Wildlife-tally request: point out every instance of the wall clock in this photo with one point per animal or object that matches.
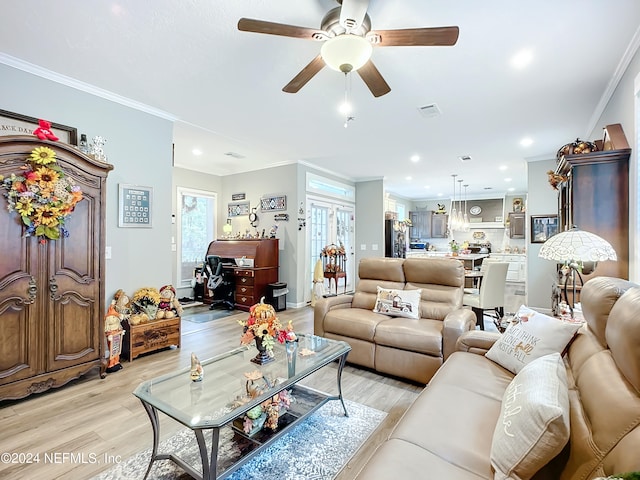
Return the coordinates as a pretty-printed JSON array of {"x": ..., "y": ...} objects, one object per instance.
[{"x": 475, "y": 210}]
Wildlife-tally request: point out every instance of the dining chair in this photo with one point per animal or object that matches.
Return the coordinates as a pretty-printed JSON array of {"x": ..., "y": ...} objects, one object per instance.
[
  {"x": 491, "y": 293},
  {"x": 478, "y": 280}
]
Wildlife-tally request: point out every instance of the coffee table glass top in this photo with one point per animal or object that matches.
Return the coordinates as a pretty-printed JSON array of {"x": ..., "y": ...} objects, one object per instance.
[{"x": 209, "y": 403}]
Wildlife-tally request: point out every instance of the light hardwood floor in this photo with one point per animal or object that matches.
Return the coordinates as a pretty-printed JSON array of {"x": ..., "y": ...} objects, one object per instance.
[{"x": 92, "y": 418}]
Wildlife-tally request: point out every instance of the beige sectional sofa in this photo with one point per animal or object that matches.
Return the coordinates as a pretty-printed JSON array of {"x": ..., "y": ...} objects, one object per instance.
[
  {"x": 448, "y": 432},
  {"x": 404, "y": 347}
]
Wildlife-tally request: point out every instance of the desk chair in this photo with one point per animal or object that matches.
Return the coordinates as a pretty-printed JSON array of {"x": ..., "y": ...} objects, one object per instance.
[
  {"x": 491, "y": 294},
  {"x": 219, "y": 281}
]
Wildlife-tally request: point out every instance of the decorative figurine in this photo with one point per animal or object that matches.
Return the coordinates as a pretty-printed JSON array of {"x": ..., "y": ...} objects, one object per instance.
[
  {"x": 97, "y": 148},
  {"x": 43, "y": 132},
  {"x": 169, "y": 306},
  {"x": 114, "y": 333},
  {"x": 197, "y": 372}
]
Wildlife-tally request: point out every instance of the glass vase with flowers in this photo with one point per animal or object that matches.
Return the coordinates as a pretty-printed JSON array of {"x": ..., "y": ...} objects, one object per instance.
[{"x": 265, "y": 328}]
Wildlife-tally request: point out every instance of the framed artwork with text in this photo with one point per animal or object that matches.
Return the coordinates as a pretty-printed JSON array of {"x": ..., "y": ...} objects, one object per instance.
[
  {"x": 135, "y": 206},
  {"x": 17, "y": 124}
]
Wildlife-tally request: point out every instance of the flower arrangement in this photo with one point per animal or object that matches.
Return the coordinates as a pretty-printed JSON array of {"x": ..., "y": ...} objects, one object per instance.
[
  {"x": 265, "y": 414},
  {"x": 454, "y": 246},
  {"x": 264, "y": 324},
  {"x": 42, "y": 195},
  {"x": 333, "y": 250},
  {"x": 146, "y": 300}
]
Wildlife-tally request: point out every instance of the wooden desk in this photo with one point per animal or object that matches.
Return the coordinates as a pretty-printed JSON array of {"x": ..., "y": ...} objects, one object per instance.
[{"x": 250, "y": 282}]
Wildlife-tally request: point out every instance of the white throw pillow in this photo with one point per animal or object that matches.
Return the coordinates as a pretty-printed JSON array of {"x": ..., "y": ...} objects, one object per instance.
[
  {"x": 398, "y": 303},
  {"x": 533, "y": 426},
  {"x": 532, "y": 337}
]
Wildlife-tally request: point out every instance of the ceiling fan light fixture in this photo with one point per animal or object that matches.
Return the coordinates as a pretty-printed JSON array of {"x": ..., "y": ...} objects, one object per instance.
[{"x": 346, "y": 53}]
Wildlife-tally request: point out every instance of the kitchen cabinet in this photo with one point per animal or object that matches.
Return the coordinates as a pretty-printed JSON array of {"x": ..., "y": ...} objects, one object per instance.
[
  {"x": 595, "y": 197},
  {"x": 517, "y": 224},
  {"x": 421, "y": 224},
  {"x": 439, "y": 225},
  {"x": 517, "y": 265},
  {"x": 52, "y": 298}
]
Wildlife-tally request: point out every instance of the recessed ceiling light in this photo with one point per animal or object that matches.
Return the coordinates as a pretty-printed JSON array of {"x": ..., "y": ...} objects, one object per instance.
[
  {"x": 522, "y": 59},
  {"x": 507, "y": 179},
  {"x": 526, "y": 142},
  {"x": 196, "y": 151},
  {"x": 511, "y": 189},
  {"x": 502, "y": 168},
  {"x": 439, "y": 194},
  {"x": 415, "y": 158},
  {"x": 408, "y": 178},
  {"x": 427, "y": 186}
]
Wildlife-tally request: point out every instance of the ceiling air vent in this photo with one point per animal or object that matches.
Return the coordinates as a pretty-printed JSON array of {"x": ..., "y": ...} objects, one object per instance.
[
  {"x": 465, "y": 158},
  {"x": 430, "y": 111},
  {"x": 234, "y": 155}
]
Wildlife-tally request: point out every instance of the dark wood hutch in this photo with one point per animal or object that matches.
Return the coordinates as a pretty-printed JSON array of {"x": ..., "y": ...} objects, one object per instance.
[
  {"x": 250, "y": 282},
  {"x": 595, "y": 197}
]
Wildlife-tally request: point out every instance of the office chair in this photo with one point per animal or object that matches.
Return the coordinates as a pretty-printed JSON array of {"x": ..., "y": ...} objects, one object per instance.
[
  {"x": 220, "y": 282},
  {"x": 491, "y": 293}
]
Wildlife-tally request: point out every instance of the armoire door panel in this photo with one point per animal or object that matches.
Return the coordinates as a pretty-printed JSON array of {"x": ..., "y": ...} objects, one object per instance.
[
  {"x": 74, "y": 335},
  {"x": 19, "y": 343}
]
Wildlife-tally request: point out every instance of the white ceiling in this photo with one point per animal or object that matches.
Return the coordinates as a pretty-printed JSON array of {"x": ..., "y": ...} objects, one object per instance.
[{"x": 188, "y": 59}]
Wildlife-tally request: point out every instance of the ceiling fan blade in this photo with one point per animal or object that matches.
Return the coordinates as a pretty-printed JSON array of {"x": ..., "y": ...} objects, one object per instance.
[
  {"x": 371, "y": 76},
  {"x": 306, "y": 74},
  {"x": 352, "y": 13},
  {"x": 436, "y": 36},
  {"x": 271, "y": 28}
]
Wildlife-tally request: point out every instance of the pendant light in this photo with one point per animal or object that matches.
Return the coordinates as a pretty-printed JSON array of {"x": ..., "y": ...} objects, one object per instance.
[
  {"x": 454, "y": 212},
  {"x": 460, "y": 220},
  {"x": 465, "y": 218}
]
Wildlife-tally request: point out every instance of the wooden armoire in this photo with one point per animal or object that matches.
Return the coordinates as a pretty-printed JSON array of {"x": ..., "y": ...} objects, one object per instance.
[{"x": 52, "y": 303}]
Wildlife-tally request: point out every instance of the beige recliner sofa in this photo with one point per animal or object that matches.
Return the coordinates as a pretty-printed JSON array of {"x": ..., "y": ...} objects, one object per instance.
[
  {"x": 404, "y": 347},
  {"x": 447, "y": 432}
]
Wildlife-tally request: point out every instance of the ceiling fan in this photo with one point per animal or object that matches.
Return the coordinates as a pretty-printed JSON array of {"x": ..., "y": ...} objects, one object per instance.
[{"x": 349, "y": 41}]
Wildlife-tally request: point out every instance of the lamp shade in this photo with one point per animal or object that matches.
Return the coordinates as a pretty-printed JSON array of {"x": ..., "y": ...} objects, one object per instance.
[
  {"x": 577, "y": 245},
  {"x": 346, "y": 53}
]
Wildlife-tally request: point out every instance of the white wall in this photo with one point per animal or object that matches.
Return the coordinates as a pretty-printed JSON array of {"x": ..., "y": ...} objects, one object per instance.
[
  {"x": 139, "y": 146},
  {"x": 542, "y": 199},
  {"x": 369, "y": 219}
]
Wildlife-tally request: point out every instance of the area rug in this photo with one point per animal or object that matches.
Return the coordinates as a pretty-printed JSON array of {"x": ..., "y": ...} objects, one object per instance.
[
  {"x": 208, "y": 316},
  {"x": 316, "y": 449}
]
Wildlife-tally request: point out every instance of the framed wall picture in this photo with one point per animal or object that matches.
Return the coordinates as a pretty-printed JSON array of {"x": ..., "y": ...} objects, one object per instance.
[
  {"x": 543, "y": 227},
  {"x": 273, "y": 203},
  {"x": 135, "y": 205},
  {"x": 17, "y": 124},
  {"x": 237, "y": 209}
]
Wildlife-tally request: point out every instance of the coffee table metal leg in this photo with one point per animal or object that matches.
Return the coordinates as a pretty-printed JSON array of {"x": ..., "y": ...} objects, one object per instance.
[
  {"x": 209, "y": 465},
  {"x": 341, "y": 362},
  {"x": 155, "y": 425}
]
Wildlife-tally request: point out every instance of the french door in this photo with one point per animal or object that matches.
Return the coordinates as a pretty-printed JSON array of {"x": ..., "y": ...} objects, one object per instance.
[{"x": 329, "y": 223}]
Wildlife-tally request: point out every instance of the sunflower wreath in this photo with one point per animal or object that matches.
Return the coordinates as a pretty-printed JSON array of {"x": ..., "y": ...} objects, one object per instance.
[{"x": 42, "y": 195}]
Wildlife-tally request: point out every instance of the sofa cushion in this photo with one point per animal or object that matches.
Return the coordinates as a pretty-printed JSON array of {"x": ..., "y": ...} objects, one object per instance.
[
  {"x": 533, "y": 426},
  {"x": 534, "y": 336},
  {"x": 417, "y": 335},
  {"x": 353, "y": 322},
  {"x": 398, "y": 303},
  {"x": 454, "y": 416}
]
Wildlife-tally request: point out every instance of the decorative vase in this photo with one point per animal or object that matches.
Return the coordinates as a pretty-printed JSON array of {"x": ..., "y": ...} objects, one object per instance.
[
  {"x": 263, "y": 356},
  {"x": 292, "y": 352}
]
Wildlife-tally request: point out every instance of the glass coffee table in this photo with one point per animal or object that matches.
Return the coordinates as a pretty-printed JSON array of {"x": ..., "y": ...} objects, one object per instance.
[{"x": 212, "y": 404}]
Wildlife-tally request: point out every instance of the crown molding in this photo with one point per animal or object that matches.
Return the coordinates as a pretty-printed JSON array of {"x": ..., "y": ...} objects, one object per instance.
[
  {"x": 619, "y": 72},
  {"x": 82, "y": 86}
]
